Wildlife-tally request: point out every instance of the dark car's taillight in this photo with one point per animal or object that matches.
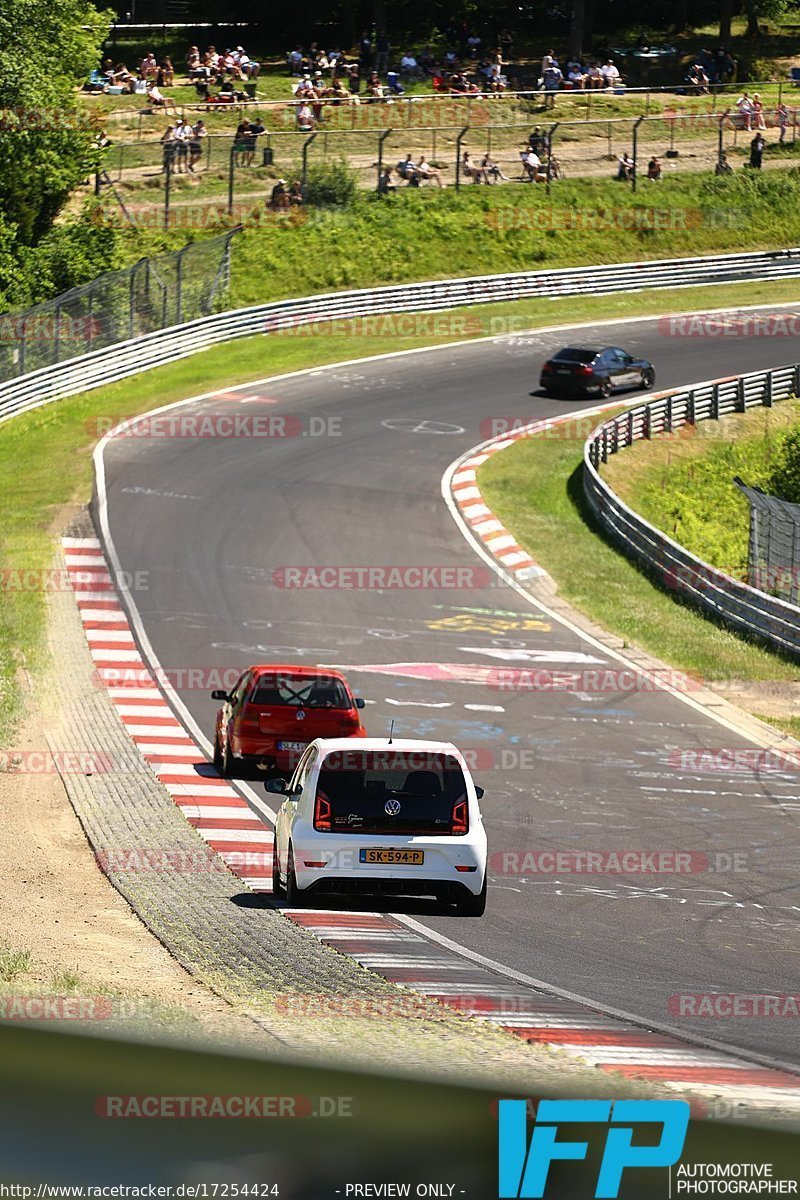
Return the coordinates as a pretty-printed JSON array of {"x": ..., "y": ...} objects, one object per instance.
[
  {"x": 548, "y": 369},
  {"x": 583, "y": 369},
  {"x": 322, "y": 813},
  {"x": 460, "y": 819}
]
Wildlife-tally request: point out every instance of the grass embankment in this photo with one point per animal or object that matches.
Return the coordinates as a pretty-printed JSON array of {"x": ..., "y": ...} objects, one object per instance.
[
  {"x": 422, "y": 234},
  {"x": 45, "y": 456},
  {"x": 685, "y": 485},
  {"x": 534, "y": 487}
]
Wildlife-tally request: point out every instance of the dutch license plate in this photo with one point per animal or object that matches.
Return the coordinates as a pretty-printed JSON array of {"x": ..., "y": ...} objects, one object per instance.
[
  {"x": 393, "y": 858},
  {"x": 292, "y": 745}
]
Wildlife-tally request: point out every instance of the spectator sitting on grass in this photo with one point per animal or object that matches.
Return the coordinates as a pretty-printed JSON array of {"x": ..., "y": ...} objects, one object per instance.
[
  {"x": 654, "y": 170},
  {"x": 385, "y": 184},
  {"x": 305, "y": 119},
  {"x": 698, "y": 80},
  {"x": 406, "y": 169},
  {"x": 295, "y": 193},
  {"x": 723, "y": 167},
  {"x": 468, "y": 168},
  {"x": 166, "y": 72},
  {"x": 626, "y": 166},
  {"x": 155, "y": 98},
  {"x": 374, "y": 89},
  {"x": 279, "y": 200},
  {"x": 148, "y": 67},
  {"x": 194, "y": 69},
  {"x": 409, "y": 66}
]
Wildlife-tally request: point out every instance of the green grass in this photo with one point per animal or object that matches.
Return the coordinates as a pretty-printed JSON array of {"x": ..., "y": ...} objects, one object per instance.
[
  {"x": 534, "y": 487},
  {"x": 13, "y": 963},
  {"x": 45, "y": 456},
  {"x": 685, "y": 485}
]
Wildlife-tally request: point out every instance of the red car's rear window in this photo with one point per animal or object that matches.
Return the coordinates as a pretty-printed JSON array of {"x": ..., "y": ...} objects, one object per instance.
[{"x": 287, "y": 691}]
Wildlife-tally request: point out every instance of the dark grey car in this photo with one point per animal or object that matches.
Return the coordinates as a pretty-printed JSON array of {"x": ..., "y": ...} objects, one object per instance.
[{"x": 577, "y": 370}]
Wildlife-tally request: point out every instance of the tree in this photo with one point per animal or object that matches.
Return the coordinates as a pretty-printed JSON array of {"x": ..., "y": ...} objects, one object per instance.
[{"x": 46, "y": 51}]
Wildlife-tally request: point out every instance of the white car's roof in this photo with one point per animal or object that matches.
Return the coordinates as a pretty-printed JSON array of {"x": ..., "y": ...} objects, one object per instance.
[{"x": 400, "y": 745}]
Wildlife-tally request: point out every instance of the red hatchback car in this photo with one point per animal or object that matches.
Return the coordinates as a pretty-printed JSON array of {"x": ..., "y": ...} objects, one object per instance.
[{"x": 274, "y": 711}]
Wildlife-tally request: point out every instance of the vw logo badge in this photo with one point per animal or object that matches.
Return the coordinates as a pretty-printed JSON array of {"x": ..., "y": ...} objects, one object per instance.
[
  {"x": 300, "y": 715},
  {"x": 392, "y": 807}
]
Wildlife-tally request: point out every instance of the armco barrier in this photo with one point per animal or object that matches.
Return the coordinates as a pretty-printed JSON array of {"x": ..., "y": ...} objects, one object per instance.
[
  {"x": 166, "y": 345},
  {"x": 728, "y": 600}
]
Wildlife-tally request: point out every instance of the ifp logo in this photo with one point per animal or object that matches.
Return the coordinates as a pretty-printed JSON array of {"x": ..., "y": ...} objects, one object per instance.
[{"x": 524, "y": 1170}]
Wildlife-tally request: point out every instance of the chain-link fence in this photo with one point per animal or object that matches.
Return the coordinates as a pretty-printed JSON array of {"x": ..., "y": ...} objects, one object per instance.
[
  {"x": 154, "y": 293},
  {"x": 230, "y": 181},
  {"x": 773, "y": 564}
]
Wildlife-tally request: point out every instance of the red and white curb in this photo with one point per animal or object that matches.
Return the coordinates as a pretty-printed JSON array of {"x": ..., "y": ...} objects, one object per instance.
[
  {"x": 380, "y": 942},
  {"x": 220, "y": 816},
  {"x": 482, "y": 521}
]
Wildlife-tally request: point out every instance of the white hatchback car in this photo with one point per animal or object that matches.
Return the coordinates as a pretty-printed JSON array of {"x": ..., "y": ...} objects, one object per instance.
[{"x": 366, "y": 815}]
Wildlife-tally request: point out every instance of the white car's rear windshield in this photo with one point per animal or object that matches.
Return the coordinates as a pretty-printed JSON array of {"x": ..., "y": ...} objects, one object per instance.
[{"x": 382, "y": 791}]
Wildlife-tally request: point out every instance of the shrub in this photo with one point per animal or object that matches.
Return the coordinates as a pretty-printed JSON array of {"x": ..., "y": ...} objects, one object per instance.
[{"x": 330, "y": 184}]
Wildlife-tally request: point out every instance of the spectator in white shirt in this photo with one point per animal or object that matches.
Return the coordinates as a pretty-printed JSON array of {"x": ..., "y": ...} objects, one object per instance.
[
  {"x": 409, "y": 67},
  {"x": 610, "y": 73}
]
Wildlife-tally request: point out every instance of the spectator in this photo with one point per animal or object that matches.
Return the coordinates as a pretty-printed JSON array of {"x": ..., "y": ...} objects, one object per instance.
[
  {"x": 155, "y": 98},
  {"x": 374, "y": 88},
  {"x": 654, "y": 170},
  {"x": 279, "y": 199},
  {"x": 744, "y": 107},
  {"x": 296, "y": 61},
  {"x": 406, "y": 170},
  {"x": 354, "y": 79},
  {"x": 468, "y": 168},
  {"x": 257, "y": 127},
  {"x": 305, "y": 119},
  {"x": 181, "y": 134},
  {"x": 506, "y": 44},
  {"x": 473, "y": 44},
  {"x": 409, "y": 66},
  {"x": 697, "y": 80},
  {"x": 385, "y": 184},
  {"x": 723, "y": 167},
  {"x": 611, "y": 75},
  {"x": 382, "y": 53},
  {"x": 148, "y": 67},
  {"x": 167, "y": 72},
  {"x": 168, "y": 149},
  {"x": 426, "y": 171},
  {"x": 199, "y": 132},
  {"x": 427, "y": 62},
  {"x": 626, "y": 167},
  {"x": 193, "y": 66},
  {"x": 782, "y": 115},
  {"x": 594, "y": 77},
  {"x": 551, "y": 80},
  {"x": 549, "y": 60},
  {"x": 295, "y": 193},
  {"x": 241, "y": 143},
  {"x": 576, "y": 75},
  {"x": 365, "y": 51},
  {"x": 491, "y": 170},
  {"x": 758, "y": 112},
  {"x": 757, "y": 151},
  {"x": 537, "y": 141},
  {"x": 532, "y": 167}
]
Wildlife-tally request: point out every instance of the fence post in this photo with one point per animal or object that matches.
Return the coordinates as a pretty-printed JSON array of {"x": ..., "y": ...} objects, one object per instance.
[
  {"x": 635, "y": 136},
  {"x": 668, "y": 416},
  {"x": 381, "y": 139},
  {"x": 231, "y": 158},
  {"x": 741, "y": 399},
  {"x": 715, "y": 402},
  {"x": 459, "y": 140},
  {"x": 768, "y": 391},
  {"x": 630, "y": 427},
  {"x": 550, "y": 133},
  {"x": 57, "y": 339},
  {"x": 648, "y": 421},
  {"x": 721, "y": 136},
  {"x": 306, "y": 144},
  {"x": 691, "y": 418},
  {"x": 605, "y": 445},
  {"x": 167, "y": 184},
  {"x": 132, "y": 301}
]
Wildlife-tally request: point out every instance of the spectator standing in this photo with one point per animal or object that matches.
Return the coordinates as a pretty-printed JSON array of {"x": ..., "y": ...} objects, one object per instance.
[
  {"x": 382, "y": 48},
  {"x": 744, "y": 107},
  {"x": 181, "y": 134},
  {"x": 365, "y": 51},
  {"x": 168, "y": 145},
  {"x": 782, "y": 115},
  {"x": 758, "y": 112},
  {"x": 199, "y": 132},
  {"x": 757, "y": 151},
  {"x": 552, "y": 80}
]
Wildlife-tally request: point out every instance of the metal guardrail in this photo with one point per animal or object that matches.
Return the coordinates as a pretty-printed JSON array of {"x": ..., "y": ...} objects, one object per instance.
[
  {"x": 728, "y": 600},
  {"x": 166, "y": 345}
]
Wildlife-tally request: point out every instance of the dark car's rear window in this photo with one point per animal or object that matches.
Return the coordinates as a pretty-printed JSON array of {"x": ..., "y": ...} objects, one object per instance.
[
  {"x": 300, "y": 692},
  {"x": 575, "y": 354},
  {"x": 419, "y": 789}
]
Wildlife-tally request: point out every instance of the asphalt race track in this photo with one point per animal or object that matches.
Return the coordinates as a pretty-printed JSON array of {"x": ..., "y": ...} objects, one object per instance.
[{"x": 212, "y": 520}]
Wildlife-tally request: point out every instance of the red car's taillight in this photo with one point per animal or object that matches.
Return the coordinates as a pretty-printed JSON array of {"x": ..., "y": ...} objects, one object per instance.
[
  {"x": 350, "y": 723},
  {"x": 322, "y": 813},
  {"x": 460, "y": 818}
]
